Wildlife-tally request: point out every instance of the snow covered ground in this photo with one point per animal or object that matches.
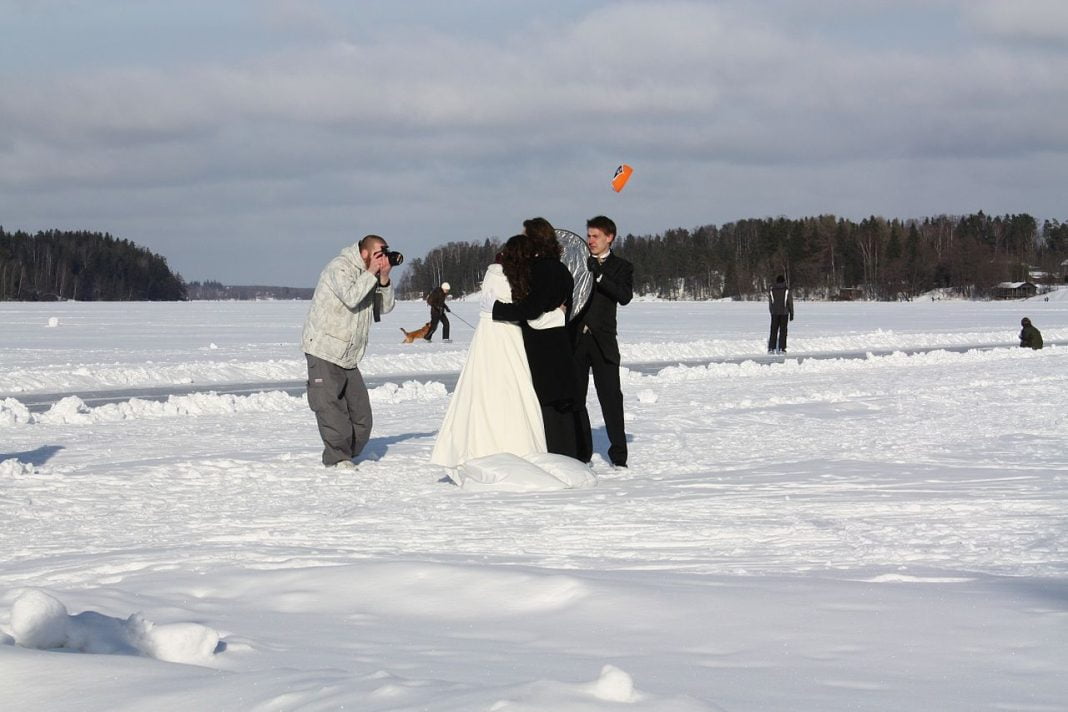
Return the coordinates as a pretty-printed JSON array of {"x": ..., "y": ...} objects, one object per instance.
[{"x": 884, "y": 533}]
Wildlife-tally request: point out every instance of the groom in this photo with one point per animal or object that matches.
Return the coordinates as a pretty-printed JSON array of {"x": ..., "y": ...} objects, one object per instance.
[
  {"x": 596, "y": 346},
  {"x": 552, "y": 366}
]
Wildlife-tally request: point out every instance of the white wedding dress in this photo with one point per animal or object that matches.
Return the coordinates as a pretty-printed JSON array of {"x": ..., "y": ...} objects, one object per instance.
[{"x": 494, "y": 408}]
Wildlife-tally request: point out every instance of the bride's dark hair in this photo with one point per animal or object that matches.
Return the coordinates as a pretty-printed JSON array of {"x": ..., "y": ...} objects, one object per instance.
[
  {"x": 515, "y": 258},
  {"x": 542, "y": 233}
]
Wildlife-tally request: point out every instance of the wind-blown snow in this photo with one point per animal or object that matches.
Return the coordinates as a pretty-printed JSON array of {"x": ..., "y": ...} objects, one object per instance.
[
  {"x": 40, "y": 621},
  {"x": 875, "y": 533}
]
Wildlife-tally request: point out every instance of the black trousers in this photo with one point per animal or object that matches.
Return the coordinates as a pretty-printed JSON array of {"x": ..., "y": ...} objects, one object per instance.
[
  {"x": 437, "y": 315},
  {"x": 561, "y": 429},
  {"x": 589, "y": 357},
  {"x": 777, "y": 340}
]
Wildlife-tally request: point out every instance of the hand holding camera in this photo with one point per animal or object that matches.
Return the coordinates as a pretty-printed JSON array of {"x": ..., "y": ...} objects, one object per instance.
[{"x": 383, "y": 261}]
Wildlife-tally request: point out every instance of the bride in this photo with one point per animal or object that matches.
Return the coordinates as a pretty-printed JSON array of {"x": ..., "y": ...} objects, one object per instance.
[{"x": 494, "y": 408}]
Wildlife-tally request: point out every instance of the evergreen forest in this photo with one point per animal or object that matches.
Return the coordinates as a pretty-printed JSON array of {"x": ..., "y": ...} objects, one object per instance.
[
  {"x": 823, "y": 257},
  {"x": 87, "y": 266}
]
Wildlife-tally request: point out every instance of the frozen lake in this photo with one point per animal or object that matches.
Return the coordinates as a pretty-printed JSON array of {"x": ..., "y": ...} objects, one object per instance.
[{"x": 880, "y": 533}]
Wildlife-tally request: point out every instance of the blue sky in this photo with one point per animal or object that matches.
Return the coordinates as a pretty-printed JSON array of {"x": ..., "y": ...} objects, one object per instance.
[{"x": 248, "y": 142}]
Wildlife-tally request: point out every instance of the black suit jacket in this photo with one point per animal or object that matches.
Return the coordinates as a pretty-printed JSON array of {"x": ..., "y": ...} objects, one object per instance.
[
  {"x": 614, "y": 288},
  {"x": 549, "y": 352}
]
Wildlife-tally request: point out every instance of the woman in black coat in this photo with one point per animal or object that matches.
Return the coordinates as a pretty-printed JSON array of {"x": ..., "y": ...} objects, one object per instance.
[{"x": 552, "y": 365}]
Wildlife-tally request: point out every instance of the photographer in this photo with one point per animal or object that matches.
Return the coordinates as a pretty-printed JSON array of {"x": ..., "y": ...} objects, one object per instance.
[{"x": 353, "y": 289}]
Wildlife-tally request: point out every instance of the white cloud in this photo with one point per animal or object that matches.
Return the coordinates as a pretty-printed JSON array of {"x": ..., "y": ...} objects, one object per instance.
[
  {"x": 392, "y": 130},
  {"x": 1045, "y": 20}
]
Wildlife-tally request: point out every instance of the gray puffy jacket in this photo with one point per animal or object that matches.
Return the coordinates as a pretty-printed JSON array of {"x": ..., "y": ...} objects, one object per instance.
[{"x": 339, "y": 320}]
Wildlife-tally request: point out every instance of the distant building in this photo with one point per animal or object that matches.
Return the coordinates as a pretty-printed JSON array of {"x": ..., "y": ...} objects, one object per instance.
[{"x": 1015, "y": 290}]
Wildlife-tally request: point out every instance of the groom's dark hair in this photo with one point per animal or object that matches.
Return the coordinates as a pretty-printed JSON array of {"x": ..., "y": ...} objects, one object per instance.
[{"x": 602, "y": 223}]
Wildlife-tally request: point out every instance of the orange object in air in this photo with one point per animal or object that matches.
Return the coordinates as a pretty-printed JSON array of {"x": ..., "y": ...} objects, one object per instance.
[{"x": 621, "y": 177}]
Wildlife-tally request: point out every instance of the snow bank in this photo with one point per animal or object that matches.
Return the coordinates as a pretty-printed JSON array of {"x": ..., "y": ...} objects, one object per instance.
[
  {"x": 41, "y": 621},
  {"x": 13, "y": 468},
  {"x": 68, "y": 377},
  {"x": 898, "y": 359},
  {"x": 13, "y": 412},
  {"x": 878, "y": 340},
  {"x": 72, "y": 410}
]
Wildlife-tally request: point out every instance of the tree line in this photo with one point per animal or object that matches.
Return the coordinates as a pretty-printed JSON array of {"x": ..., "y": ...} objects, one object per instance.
[
  {"x": 212, "y": 290},
  {"x": 87, "y": 266},
  {"x": 461, "y": 264},
  {"x": 823, "y": 257}
]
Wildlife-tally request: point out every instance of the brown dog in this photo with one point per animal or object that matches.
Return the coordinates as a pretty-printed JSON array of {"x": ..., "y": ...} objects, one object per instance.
[{"x": 420, "y": 333}]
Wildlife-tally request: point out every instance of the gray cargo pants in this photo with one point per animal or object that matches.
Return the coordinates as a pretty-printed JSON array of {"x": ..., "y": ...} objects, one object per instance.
[{"x": 338, "y": 397}]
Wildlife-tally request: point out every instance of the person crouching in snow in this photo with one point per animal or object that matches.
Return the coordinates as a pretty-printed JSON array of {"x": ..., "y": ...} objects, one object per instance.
[{"x": 1030, "y": 337}]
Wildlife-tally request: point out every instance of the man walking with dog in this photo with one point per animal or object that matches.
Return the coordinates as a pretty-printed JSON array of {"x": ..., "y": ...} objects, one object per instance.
[
  {"x": 353, "y": 290},
  {"x": 596, "y": 347},
  {"x": 438, "y": 309}
]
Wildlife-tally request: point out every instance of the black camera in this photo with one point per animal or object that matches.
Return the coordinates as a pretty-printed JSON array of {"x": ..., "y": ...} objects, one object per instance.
[{"x": 395, "y": 258}]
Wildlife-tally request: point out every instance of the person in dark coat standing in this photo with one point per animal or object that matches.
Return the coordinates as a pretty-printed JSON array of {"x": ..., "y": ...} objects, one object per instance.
[
  {"x": 781, "y": 305},
  {"x": 1030, "y": 337},
  {"x": 438, "y": 308},
  {"x": 596, "y": 347},
  {"x": 552, "y": 367}
]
